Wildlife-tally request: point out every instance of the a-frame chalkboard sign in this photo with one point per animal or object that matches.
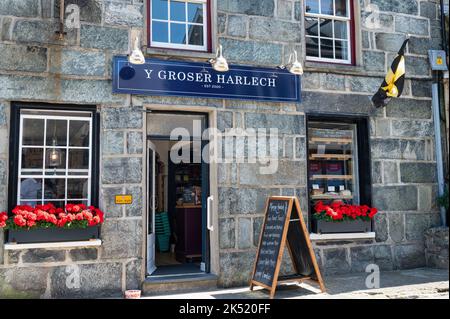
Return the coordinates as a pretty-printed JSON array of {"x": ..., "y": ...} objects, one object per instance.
[{"x": 284, "y": 226}]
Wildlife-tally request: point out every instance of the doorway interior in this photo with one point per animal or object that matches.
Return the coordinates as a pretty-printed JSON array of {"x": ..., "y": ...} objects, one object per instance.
[{"x": 178, "y": 190}]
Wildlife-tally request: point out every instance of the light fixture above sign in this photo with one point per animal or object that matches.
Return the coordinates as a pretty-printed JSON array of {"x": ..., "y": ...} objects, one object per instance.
[
  {"x": 219, "y": 64},
  {"x": 294, "y": 66},
  {"x": 136, "y": 56}
]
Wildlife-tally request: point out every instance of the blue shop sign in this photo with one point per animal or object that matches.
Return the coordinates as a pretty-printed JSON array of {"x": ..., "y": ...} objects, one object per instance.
[{"x": 179, "y": 78}]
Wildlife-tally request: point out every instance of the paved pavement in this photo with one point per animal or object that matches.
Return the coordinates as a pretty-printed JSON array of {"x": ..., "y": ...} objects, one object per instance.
[{"x": 423, "y": 283}]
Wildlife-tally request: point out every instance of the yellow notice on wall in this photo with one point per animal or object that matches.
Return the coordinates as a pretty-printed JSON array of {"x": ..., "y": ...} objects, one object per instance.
[{"x": 124, "y": 199}]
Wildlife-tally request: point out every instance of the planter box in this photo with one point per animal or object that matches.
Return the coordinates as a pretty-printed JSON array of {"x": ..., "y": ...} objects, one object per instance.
[
  {"x": 354, "y": 226},
  {"x": 52, "y": 235}
]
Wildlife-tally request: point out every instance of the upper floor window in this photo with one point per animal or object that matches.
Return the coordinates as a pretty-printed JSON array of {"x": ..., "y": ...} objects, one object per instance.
[
  {"x": 180, "y": 24},
  {"x": 328, "y": 30}
]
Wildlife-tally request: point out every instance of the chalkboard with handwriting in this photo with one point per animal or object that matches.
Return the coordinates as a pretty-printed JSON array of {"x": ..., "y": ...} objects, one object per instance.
[{"x": 284, "y": 227}]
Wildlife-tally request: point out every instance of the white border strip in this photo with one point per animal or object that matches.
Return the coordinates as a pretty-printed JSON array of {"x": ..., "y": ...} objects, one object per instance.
[
  {"x": 341, "y": 236},
  {"x": 68, "y": 244}
]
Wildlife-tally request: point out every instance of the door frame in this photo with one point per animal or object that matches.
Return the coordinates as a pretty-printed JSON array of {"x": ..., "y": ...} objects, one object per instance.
[
  {"x": 150, "y": 208},
  {"x": 206, "y": 184}
]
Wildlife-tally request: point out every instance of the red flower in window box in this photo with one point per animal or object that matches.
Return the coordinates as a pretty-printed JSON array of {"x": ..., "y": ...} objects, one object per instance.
[
  {"x": 48, "y": 216},
  {"x": 338, "y": 211}
]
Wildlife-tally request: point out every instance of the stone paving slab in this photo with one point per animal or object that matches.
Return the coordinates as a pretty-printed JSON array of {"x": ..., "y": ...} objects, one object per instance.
[{"x": 422, "y": 283}]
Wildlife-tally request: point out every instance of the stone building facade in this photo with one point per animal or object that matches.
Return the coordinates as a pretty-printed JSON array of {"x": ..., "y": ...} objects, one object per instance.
[{"x": 36, "y": 67}]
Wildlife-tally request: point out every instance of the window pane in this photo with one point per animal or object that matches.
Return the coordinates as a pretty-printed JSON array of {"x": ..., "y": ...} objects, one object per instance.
[
  {"x": 56, "y": 203},
  {"x": 160, "y": 31},
  {"x": 332, "y": 155},
  {"x": 341, "y": 50},
  {"x": 178, "y": 33},
  {"x": 195, "y": 34},
  {"x": 340, "y": 30},
  {"x": 312, "y": 47},
  {"x": 177, "y": 11},
  {"x": 79, "y": 133},
  {"x": 54, "y": 188},
  {"x": 312, "y": 6},
  {"x": 55, "y": 161},
  {"x": 85, "y": 202},
  {"x": 78, "y": 159},
  {"x": 311, "y": 26},
  {"x": 195, "y": 12},
  {"x": 326, "y": 48},
  {"x": 77, "y": 188},
  {"x": 326, "y": 28},
  {"x": 341, "y": 8},
  {"x": 56, "y": 133},
  {"x": 31, "y": 188},
  {"x": 31, "y": 203},
  {"x": 160, "y": 9},
  {"x": 33, "y": 132},
  {"x": 32, "y": 158},
  {"x": 326, "y": 7}
]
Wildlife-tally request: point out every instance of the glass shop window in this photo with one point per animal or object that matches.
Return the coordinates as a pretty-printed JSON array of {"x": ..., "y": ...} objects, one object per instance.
[
  {"x": 55, "y": 152},
  {"x": 179, "y": 24},
  {"x": 333, "y": 162},
  {"x": 329, "y": 30}
]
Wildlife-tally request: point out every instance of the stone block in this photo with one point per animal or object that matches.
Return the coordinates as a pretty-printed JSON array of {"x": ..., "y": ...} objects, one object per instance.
[
  {"x": 331, "y": 81},
  {"x": 41, "y": 31},
  {"x": 235, "y": 268},
  {"x": 134, "y": 274},
  {"x": 395, "y": 198},
  {"x": 245, "y": 235},
  {"x": 75, "y": 62},
  {"x": 221, "y": 23},
  {"x": 361, "y": 257},
  {"x": 412, "y": 128},
  {"x": 396, "y": 227},
  {"x": 390, "y": 172},
  {"x": 135, "y": 143},
  {"x": 286, "y": 124},
  {"x": 250, "y": 174},
  {"x": 426, "y": 198},
  {"x": 113, "y": 142},
  {"x": 89, "y": 91},
  {"x": 376, "y": 172},
  {"x": 23, "y": 282},
  {"x": 43, "y": 256},
  {"x": 418, "y": 172},
  {"x": 419, "y": 66},
  {"x": 409, "y": 256},
  {"x": 249, "y": 7},
  {"x": 87, "y": 281},
  {"x": 224, "y": 121},
  {"x": 380, "y": 224},
  {"x": 398, "y": 6},
  {"x": 19, "y": 8},
  {"x": 364, "y": 84},
  {"x": 243, "y": 200},
  {"x": 105, "y": 38},
  {"x": 135, "y": 209},
  {"x": 374, "y": 61},
  {"x": 124, "y": 14},
  {"x": 262, "y": 53},
  {"x": 389, "y": 41},
  {"x": 227, "y": 233},
  {"x": 428, "y": 10},
  {"x": 421, "y": 46},
  {"x": 311, "y": 80},
  {"x": 237, "y": 26},
  {"x": 122, "y": 238},
  {"x": 270, "y": 29},
  {"x": 3, "y": 172},
  {"x": 335, "y": 261},
  {"x": 298, "y": 9},
  {"x": 257, "y": 228},
  {"x": 122, "y": 170},
  {"x": 284, "y": 9},
  {"x": 416, "y": 225},
  {"x": 83, "y": 254},
  {"x": 23, "y": 58},
  {"x": 110, "y": 208},
  {"x": 421, "y": 88},
  {"x": 122, "y": 117},
  {"x": 383, "y": 257},
  {"x": 3, "y": 115}
]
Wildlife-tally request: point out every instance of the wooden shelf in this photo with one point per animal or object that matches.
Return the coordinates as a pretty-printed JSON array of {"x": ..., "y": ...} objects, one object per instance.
[
  {"x": 330, "y": 156},
  {"x": 330, "y": 140},
  {"x": 189, "y": 206},
  {"x": 324, "y": 196},
  {"x": 346, "y": 177}
]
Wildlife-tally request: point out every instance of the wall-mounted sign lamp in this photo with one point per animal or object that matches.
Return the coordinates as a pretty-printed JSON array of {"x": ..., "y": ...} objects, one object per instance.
[
  {"x": 219, "y": 64},
  {"x": 136, "y": 56},
  {"x": 294, "y": 66}
]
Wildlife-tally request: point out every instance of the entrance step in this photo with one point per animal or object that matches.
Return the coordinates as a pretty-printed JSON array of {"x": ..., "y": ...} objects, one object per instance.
[{"x": 170, "y": 284}]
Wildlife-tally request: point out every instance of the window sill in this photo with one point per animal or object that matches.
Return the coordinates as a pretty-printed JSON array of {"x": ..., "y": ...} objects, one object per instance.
[
  {"x": 168, "y": 53},
  {"x": 341, "y": 236},
  {"x": 68, "y": 244}
]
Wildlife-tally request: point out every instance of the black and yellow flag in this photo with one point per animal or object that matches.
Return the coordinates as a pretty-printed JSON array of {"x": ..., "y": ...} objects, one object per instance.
[{"x": 394, "y": 81}]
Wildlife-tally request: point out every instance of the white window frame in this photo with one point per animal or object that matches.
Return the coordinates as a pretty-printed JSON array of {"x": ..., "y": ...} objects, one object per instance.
[
  {"x": 168, "y": 45},
  {"x": 83, "y": 116},
  {"x": 346, "y": 19}
]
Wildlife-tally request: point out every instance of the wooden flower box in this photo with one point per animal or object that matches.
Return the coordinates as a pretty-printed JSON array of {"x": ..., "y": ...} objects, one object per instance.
[
  {"x": 45, "y": 235},
  {"x": 347, "y": 226}
]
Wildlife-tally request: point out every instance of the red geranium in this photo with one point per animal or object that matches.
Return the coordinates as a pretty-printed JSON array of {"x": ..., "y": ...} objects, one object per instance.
[{"x": 338, "y": 211}]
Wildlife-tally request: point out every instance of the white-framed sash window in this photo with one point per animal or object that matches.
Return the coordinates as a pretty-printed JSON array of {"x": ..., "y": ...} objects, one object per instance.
[
  {"x": 328, "y": 31},
  {"x": 55, "y": 158},
  {"x": 179, "y": 24}
]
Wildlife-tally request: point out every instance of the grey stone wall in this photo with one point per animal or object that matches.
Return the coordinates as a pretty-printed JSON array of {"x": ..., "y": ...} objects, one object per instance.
[
  {"x": 436, "y": 247},
  {"x": 35, "y": 66}
]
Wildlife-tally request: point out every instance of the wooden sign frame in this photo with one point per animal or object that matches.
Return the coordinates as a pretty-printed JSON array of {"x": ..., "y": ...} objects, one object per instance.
[{"x": 317, "y": 277}]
